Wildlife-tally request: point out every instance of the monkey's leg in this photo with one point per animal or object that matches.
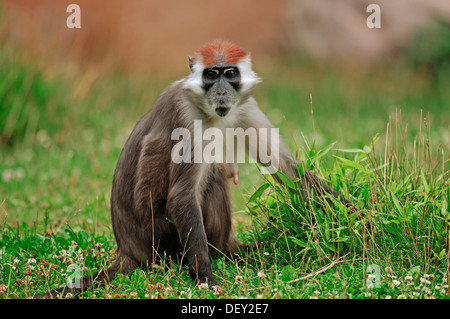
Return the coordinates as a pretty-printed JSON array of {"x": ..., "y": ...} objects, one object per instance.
[
  {"x": 121, "y": 265},
  {"x": 235, "y": 249},
  {"x": 185, "y": 212}
]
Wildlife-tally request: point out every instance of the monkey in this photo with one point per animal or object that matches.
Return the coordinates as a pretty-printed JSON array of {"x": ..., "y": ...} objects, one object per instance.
[{"x": 182, "y": 210}]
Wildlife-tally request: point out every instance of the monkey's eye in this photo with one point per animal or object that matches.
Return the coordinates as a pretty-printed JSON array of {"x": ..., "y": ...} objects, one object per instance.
[
  {"x": 212, "y": 73},
  {"x": 230, "y": 73}
]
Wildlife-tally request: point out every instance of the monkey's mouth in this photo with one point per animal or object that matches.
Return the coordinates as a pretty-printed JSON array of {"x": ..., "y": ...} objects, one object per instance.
[{"x": 222, "y": 111}]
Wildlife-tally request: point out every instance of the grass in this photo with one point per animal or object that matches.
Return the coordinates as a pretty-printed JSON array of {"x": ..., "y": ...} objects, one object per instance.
[
  {"x": 400, "y": 232},
  {"x": 388, "y": 151}
]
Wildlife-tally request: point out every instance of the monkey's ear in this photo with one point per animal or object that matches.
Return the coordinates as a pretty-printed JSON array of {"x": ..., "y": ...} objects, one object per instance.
[{"x": 191, "y": 63}]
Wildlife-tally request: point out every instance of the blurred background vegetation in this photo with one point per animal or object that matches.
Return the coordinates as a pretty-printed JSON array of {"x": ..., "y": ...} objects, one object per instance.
[{"x": 69, "y": 98}]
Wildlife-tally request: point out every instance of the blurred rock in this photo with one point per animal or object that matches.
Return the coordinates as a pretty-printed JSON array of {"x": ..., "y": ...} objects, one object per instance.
[{"x": 337, "y": 30}]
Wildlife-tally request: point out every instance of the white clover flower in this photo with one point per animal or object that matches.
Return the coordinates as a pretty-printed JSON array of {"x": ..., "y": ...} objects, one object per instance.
[
  {"x": 388, "y": 270},
  {"x": 20, "y": 173},
  {"x": 367, "y": 294},
  {"x": 315, "y": 295},
  {"x": 203, "y": 286},
  {"x": 16, "y": 261},
  {"x": 31, "y": 261},
  {"x": 217, "y": 291},
  {"x": 7, "y": 176},
  {"x": 133, "y": 294},
  {"x": 388, "y": 297},
  {"x": 401, "y": 297},
  {"x": 408, "y": 278},
  {"x": 261, "y": 274},
  {"x": 239, "y": 279},
  {"x": 370, "y": 286},
  {"x": 396, "y": 283}
]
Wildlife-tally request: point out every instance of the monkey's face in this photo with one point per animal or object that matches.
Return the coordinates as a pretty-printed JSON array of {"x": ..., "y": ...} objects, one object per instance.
[
  {"x": 222, "y": 78},
  {"x": 221, "y": 85}
]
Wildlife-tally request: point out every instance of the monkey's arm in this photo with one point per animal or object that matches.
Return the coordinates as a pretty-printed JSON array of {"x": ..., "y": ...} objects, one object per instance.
[{"x": 281, "y": 157}]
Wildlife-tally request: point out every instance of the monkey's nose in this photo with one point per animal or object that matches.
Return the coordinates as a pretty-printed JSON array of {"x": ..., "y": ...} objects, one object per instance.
[{"x": 222, "y": 92}]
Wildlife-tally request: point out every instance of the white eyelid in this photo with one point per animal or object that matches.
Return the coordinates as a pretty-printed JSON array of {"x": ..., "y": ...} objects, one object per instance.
[{"x": 229, "y": 69}]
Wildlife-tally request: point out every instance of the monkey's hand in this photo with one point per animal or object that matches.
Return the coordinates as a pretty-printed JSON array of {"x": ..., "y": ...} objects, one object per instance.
[{"x": 207, "y": 282}]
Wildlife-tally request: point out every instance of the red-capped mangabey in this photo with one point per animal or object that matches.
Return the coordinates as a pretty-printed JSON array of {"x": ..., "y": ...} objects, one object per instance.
[{"x": 181, "y": 209}]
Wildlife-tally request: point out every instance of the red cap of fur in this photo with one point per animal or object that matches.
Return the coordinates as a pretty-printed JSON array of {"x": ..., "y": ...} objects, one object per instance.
[{"x": 227, "y": 52}]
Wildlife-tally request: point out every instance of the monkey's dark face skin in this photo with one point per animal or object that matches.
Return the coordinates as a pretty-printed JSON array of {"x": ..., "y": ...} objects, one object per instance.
[{"x": 221, "y": 85}]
